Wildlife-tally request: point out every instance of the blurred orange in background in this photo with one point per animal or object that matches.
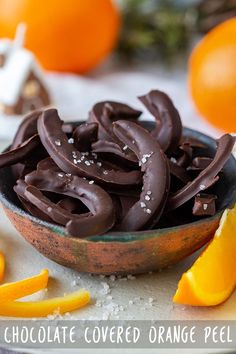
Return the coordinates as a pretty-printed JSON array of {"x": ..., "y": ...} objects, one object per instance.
[
  {"x": 65, "y": 35},
  {"x": 212, "y": 76}
]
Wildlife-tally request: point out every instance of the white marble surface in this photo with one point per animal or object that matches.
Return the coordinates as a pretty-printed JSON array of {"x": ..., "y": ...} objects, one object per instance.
[{"x": 152, "y": 293}]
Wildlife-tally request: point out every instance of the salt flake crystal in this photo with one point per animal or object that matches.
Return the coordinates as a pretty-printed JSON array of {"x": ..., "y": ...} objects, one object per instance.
[
  {"x": 148, "y": 211},
  {"x": 71, "y": 141},
  {"x": 125, "y": 147},
  {"x": 143, "y": 205},
  {"x": 147, "y": 197},
  {"x": 58, "y": 142},
  {"x": 205, "y": 206},
  {"x": 99, "y": 164},
  {"x": 202, "y": 187},
  {"x": 87, "y": 163},
  {"x": 60, "y": 174},
  {"x": 105, "y": 172},
  {"x": 91, "y": 182},
  {"x": 143, "y": 160},
  {"x": 149, "y": 192}
]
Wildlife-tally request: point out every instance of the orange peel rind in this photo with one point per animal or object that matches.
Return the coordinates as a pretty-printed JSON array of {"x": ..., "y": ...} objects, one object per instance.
[
  {"x": 60, "y": 305},
  {"x": 212, "y": 278}
]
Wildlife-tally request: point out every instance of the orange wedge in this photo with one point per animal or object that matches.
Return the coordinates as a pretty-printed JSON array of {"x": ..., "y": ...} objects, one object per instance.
[{"x": 212, "y": 278}]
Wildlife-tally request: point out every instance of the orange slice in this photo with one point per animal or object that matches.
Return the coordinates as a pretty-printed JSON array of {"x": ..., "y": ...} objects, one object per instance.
[{"x": 212, "y": 278}]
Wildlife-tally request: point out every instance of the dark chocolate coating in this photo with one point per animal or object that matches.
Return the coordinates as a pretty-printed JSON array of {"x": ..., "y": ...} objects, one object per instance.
[
  {"x": 207, "y": 177},
  {"x": 156, "y": 180},
  {"x": 71, "y": 160},
  {"x": 185, "y": 158},
  {"x": 168, "y": 130},
  {"x": 27, "y": 129},
  {"x": 19, "y": 188},
  {"x": 20, "y": 153},
  {"x": 199, "y": 163},
  {"x": 99, "y": 203},
  {"x": 179, "y": 172},
  {"x": 84, "y": 135},
  {"x": 104, "y": 114}
]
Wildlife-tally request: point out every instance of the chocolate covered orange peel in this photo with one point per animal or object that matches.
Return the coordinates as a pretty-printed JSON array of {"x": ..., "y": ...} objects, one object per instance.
[{"x": 212, "y": 278}]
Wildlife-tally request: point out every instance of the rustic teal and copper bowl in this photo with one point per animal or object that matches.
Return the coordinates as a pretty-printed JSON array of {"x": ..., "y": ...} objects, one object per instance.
[{"x": 122, "y": 252}]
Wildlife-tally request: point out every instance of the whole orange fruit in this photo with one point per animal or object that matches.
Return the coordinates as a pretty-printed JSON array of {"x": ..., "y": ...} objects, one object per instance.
[
  {"x": 65, "y": 35},
  {"x": 212, "y": 76}
]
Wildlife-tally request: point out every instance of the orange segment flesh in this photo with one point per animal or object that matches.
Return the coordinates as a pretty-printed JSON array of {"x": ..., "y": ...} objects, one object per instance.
[
  {"x": 44, "y": 308},
  {"x": 212, "y": 278},
  {"x": 2, "y": 266},
  {"x": 16, "y": 290}
]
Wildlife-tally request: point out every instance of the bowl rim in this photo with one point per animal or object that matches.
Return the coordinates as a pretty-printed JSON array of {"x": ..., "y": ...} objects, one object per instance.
[{"x": 115, "y": 236}]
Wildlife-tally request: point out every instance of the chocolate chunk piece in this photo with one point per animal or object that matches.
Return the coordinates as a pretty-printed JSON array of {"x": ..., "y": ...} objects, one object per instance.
[
  {"x": 207, "y": 177},
  {"x": 204, "y": 204},
  {"x": 168, "y": 130},
  {"x": 156, "y": 180}
]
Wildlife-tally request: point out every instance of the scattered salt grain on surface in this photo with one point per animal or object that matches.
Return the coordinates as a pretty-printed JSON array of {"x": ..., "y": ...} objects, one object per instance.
[
  {"x": 58, "y": 142},
  {"x": 91, "y": 182},
  {"x": 106, "y": 288},
  {"x": 112, "y": 278},
  {"x": 71, "y": 141}
]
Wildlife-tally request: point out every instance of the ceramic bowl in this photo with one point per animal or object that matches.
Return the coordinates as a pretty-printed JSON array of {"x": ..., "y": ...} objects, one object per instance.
[{"x": 121, "y": 252}]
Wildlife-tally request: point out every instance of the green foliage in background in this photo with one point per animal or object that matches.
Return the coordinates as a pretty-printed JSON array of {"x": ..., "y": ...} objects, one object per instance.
[{"x": 154, "y": 29}]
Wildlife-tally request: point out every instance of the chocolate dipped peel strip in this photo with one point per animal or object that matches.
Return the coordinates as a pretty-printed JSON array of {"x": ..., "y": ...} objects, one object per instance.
[
  {"x": 168, "y": 130},
  {"x": 147, "y": 211},
  {"x": 84, "y": 135},
  {"x": 101, "y": 217},
  {"x": 104, "y": 113},
  {"x": 207, "y": 177},
  {"x": 179, "y": 172},
  {"x": 18, "y": 154},
  {"x": 19, "y": 188},
  {"x": 71, "y": 160},
  {"x": 27, "y": 129}
]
